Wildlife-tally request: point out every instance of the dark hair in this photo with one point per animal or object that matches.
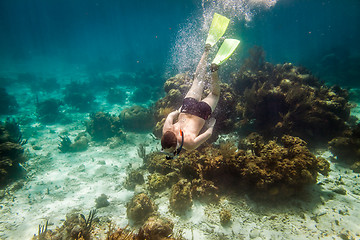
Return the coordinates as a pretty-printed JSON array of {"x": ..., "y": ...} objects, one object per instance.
[{"x": 168, "y": 140}]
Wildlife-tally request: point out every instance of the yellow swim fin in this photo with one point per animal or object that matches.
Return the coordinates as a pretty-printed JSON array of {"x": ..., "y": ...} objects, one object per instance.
[
  {"x": 225, "y": 51},
  {"x": 218, "y": 27}
]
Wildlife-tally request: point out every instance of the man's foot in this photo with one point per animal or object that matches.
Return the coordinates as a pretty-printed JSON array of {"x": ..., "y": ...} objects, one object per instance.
[{"x": 214, "y": 67}]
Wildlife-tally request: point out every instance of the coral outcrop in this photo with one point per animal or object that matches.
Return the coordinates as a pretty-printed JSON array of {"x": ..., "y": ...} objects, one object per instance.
[
  {"x": 81, "y": 143},
  {"x": 103, "y": 126},
  {"x": 180, "y": 197},
  {"x": 156, "y": 229},
  {"x": 270, "y": 169},
  {"x": 347, "y": 147},
  {"x": 136, "y": 118},
  {"x": 285, "y": 99},
  {"x": 157, "y": 182},
  {"x": 140, "y": 208},
  {"x": 11, "y": 151}
]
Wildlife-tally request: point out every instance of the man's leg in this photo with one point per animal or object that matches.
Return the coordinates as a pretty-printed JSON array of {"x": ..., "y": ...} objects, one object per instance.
[
  {"x": 197, "y": 86},
  {"x": 213, "y": 97}
]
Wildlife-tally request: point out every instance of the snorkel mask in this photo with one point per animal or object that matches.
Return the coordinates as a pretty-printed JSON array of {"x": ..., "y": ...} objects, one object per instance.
[{"x": 175, "y": 154}]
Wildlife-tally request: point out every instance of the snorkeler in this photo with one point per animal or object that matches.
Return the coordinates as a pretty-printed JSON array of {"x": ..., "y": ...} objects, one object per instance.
[{"x": 194, "y": 112}]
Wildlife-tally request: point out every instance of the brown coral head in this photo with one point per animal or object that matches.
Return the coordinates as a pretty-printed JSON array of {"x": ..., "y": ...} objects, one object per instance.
[{"x": 168, "y": 140}]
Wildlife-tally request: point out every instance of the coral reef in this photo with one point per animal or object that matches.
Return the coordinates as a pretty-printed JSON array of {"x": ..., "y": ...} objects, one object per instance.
[
  {"x": 285, "y": 99},
  {"x": 102, "y": 126},
  {"x": 347, "y": 146},
  {"x": 79, "y": 96},
  {"x": 156, "y": 229},
  {"x": 48, "y": 111},
  {"x": 8, "y": 104},
  {"x": 81, "y": 143},
  {"x": 140, "y": 208},
  {"x": 11, "y": 151},
  {"x": 136, "y": 118}
]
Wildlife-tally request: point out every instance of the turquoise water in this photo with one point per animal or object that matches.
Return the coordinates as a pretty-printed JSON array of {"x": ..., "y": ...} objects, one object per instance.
[{"x": 61, "y": 62}]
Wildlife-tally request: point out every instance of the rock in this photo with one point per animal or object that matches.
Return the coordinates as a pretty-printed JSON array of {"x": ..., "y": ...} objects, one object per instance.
[
  {"x": 102, "y": 201},
  {"x": 254, "y": 233},
  {"x": 339, "y": 190}
]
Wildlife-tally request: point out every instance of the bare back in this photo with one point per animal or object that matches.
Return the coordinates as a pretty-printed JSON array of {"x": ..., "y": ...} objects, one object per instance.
[{"x": 191, "y": 126}]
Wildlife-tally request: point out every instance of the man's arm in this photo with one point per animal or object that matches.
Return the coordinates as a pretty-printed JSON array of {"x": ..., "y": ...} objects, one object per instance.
[
  {"x": 170, "y": 120},
  {"x": 206, "y": 135}
]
